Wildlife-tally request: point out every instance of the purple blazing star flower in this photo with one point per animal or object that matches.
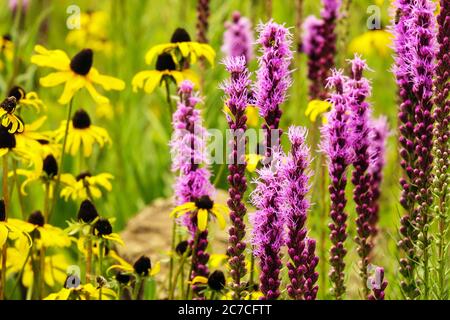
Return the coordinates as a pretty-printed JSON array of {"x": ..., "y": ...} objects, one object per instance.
[{"x": 238, "y": 38}]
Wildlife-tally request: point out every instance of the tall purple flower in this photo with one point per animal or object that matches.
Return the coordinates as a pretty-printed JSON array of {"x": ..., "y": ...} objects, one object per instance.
[
  {"x": 202, "y": 20},
  {"x": 422, "y": 68},
  {"x": 379, "y": 284},
  {"x": 188, "y": 147},
  {"x": 358, "y": 91},
  {"x": 377, "y": 147},
  {"x": 441, "y": 145},
  {"x": 337, "y": 145},
  {"x": 408, "y": 231},
  {"x": 268, "y": 230},
  {"x": 319, "y": 44},
  {"x": 273, "y": 79},
  {"x": 237, "y": 96},
  {"x": 238, "y": 38},
  {"x": 294, "y": 176}
]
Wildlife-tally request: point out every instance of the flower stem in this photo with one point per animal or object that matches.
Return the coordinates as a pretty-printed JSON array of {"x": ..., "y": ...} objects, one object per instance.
[
  {"x": 172, "y": 253},
  {"x": 177, "y": 274},
  {"x": 100, "y": 265},
  {"x": 169, "y": 99},
  {"x": 61, "y": 161},
  {"x": 19, "y": 194},
  {"x": 6, "y": 200}
]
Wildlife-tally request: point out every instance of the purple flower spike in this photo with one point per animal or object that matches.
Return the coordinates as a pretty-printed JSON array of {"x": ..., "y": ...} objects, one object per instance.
[
  {"x": 294, "y": 177},
  {"x": 188, "y": 148},
  {"x": 319, "y": 43},
  {"x": 268, "y": 230},
  {"x": 358, "y": 91},
  {"x": 237, "y": 93},
  {"x": 378, "y": 139},
  {"x": 337, "y": 145},
  {"x": 379, "y": 284},
  {"x": 273, "y": 79},
  {"x": 238, "y": 38}
]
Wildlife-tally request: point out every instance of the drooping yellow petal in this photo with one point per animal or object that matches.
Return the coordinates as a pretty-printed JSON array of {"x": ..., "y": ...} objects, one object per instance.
[
  {"x": 182, "y": 209},
  {"x": 199, "y": 279},
  {"x": 72, "y": 85},
  {"x": 115, "y": 238},
  {"x": 98, "y": 98},
  {"x": 56, "y": 59},
  {"x": 55, "y": 78},
  {"x": 152, "y": 82},
  {"x": 220, "y": 218},
  {"x": 156, "y": 51},
  {"x": 202, "y": 219},
  {"x": 156, "y": 269},
  {"x": 3, "y": 234},
  {"x": 139, "y": 79},
  {"x": 107, "y": 82}
]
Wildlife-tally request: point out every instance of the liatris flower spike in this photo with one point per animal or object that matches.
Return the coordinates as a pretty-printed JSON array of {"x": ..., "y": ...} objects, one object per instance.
[
  {"x": 203, "y": 13},
  {"x": 378, "y": 285},
  {"x": 268, "y": 230},
  {"x": 294, "y": 176},
  {"x": 238, "y": 38},
  {"x": 273, "y": 79},
  {"x": 237, "y": 91},
  {"x": 337, "y": 145}
]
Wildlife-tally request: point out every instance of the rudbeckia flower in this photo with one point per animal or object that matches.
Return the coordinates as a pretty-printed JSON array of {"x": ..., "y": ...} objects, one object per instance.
[
  {"x": 102, "y": 228},
  {"x": 6, "y": 50},
  {"x": 165, "y": 68},
  {"x": 8, "y": 230},
  {"x": 8, "y": 144},
  {"x": 76, "y": 73},
  {"x": 181, "y": 44},
  {"x": 372, "y": 42},
  {"x": 92, "y": 32},
  {"x": 142, "y": 266},
  {"x": 316, "y": 108},
  {"x": 8, "y": 118},
  {"x": 82, "y": 134},
  {"x": 203, "y": 207},
  {"x": 49, "y": 236},
  {"x": 30, "y": 99},
  {"x": 85, "y": 185}
]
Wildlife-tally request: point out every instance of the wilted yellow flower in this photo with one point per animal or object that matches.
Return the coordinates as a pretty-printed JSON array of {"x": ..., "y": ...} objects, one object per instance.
[
  {"x": 372, "y": 42},
  {"x": 82, "y": 134},
  {"x": 76, "y": 73},
  {"x": 85, "y": 185}
]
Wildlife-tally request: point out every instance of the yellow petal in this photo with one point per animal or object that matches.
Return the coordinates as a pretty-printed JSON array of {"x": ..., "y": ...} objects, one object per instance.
[
  {"x": 74, "y": 84},
  {"x": 202, "y": 219},
  {"x": 156, "y": 269},
  {"x": 98, "y": 98},
  {"x": 107, "y": 82},
  {"x": 3, "y": 234},
  {"x": 56, "y": 59},
  {"x": 157, "y": 50},
  {"x": 152, "y": 82},
  {"x": 55, "y": 78},
  {"x": 199, "y": 279},
  {"x": 220, "y": 219}
]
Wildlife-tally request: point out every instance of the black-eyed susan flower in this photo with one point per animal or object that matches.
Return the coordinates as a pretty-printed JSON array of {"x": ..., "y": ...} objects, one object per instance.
[
  {"x": 8, "y": 144},
  {"x": 82, "y": 134},
  {"x": 9, "y": 230},
  {"x": 27, "y": 99},
  {"x": 182, "y": 45},
  {"x": 102, "y": 229},
  {"x": 203, "y": 207},
  {"x": 92, "y": 32},
  {"x": 85, "y": 186},
  {"x": 317, "y": 108},
  {"x": 6, "y": 50},
  {"x": 48, "y": 235},
  {"x": 75, "y": 73},
  {"x": 8, "y": 118},
  {"x": 165, "y": 70},
  {"x": 141, "y": 267}
]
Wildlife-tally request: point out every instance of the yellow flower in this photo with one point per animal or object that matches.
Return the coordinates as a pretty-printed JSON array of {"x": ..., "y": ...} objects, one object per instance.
[
  {"x": 203, "y": 207},
  {"x": 92, "y": 32},
  {"x": 85, "y": 185},
  {"x": 83, "y": 292},
  {"x": 9, "y": 230},
  {"x": 30, "y": 99},
  {"x": 181, "y": 44},
  {"x": 102, "y": 229},
  {"x": 252, "y": 160},
  {"x": 316, "y": 108},
  {"x": 82, "y": 134},
  {"x": 49, "y": 236},
  {"x": 372, "y": 42},
  {"x": 165, "y": 69},
  {"x": 8, "y": 118},
  {"x": 6, "y": 50},
  {"x": 76, "y": 73},
  {"x": 142, "y": 266}
]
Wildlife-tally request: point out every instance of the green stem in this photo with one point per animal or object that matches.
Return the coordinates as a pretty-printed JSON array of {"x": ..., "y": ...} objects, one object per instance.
[
  {"x": 177, "y": 274},
  {"x": 172, "y": 254},
  {"x": 19, "y": 194},
  {"x": 194, "y": 252},
  {"x": 61, "y": 162},
  {"x": 100, "y": 264},
  {"x": 169, "y": 99}
]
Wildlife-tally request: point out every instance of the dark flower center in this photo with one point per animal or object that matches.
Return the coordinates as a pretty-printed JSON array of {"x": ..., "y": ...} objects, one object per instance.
[
  {"x": 87, "y": 212},
  {"x": 83, "y": 175},
  {"x": 50, "y": 166},
  {"x": 180, "y": 35},
  {"x": 123, "y": 278},
  {"x": 204, "y": 202},
  {"x": 102, "y": 227},
  {"x": 2, "y": 210},
  {"x": 216, "y": 280},
  {"x": 43, "y": 142},
  {"x": 7, "y": 37},
  {"x": 7, "y": 140},
  {"x": 17, "y": 92},
  {"x": 81, "y": 119},
  {"x": 81, "y": 63},
  {"x": 165, "y": 62},
  {"x": 142, "y": 266},
  {"x": 9, "y": 104},
  {"x": 37, "y": 219},
  {"x": 182, "y": 247}
]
